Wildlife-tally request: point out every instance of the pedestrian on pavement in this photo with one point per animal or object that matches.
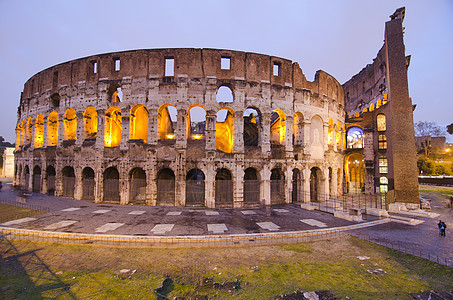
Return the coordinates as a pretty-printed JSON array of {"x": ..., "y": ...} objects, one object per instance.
[
  {"x": 443, "y": 226},
  {"x": 440, "y": 225}
]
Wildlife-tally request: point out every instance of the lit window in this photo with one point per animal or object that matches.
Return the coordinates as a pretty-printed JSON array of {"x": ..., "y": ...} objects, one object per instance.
[
  {"x": 169, "y": 67},
  {"x": 381, "y": 124},
  {"x": 225, "y": 63},
  {"x": 95, "y": 67},
  {"x": 117, "y": 64},
  {"x": 276, "y": 69},
  {"x": 383, "y": 169},
  {"x": 382, "y": 142},
  {"x": 383, "y": 187}
]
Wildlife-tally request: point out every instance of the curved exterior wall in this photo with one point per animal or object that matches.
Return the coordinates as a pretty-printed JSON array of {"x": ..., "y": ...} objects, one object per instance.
[{"x": 296, "y": 156}]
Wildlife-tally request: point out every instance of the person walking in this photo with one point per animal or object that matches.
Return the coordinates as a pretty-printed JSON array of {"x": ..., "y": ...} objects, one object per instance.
[
  {"x": 439, "y": 225},
  {"x": 443, "y": 227}
]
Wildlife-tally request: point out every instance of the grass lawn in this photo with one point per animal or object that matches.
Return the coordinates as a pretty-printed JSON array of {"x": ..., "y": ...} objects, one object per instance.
[
  {"x": 32, "y": 270},
  {"x": 11, "y": 212}
]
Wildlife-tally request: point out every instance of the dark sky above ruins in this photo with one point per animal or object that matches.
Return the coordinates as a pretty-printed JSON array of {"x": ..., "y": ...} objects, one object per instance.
[{"x": 339, "y": 37}]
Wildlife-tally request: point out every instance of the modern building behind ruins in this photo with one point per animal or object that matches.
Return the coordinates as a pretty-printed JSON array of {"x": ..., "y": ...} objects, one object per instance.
[{"x": 217, "y": 128}]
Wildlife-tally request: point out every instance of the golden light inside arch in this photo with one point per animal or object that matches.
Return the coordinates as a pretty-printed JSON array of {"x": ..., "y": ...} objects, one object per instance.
[
  {"x": 112, "y": 131},
  {"x": 224, "y": 134},
  {"x": 39, "y": 131},
  {"x": 166, "y": 126},
  {"x": 139, "y": 123},
  {"x": 52, "y": 129},
  {"x": 278, "y": 127},
  {"x": 70, "y": 125}
]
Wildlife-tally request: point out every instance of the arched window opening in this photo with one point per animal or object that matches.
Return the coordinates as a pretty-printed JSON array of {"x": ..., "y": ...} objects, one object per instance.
[
  {"x": 224, "y": 95},
  {"x": 196, "y": 123},
  {"x": 224, "y": 134},
  {"x": 52, "y": 129},
  {"x": 296, "y": 194},
  {"x": 251, "y": 127},
  {"x": 166, "y": 187},
  {"x": 383, "y": 166},
  {"x": 68, "y": 178},
  {"x": 381, "y": 122},
  {"x": 113, "y": 123},
  {"x": 355, "y": 138},
  {"x": 167, "y": 118},
  {"x": 298, "y": 129},
  {"x": 111, "y": 185},
  {"x": 139, "y": 123},
  {"x": 88, "y": 184},
  {"x": 330, "y": 133},
  {"x": 90, "y": 121},
  {"x": 36, "y": 179},
  {"x": 29, "y": 132},
  {"x": 378, "y": 103},
  {"x": 55, "y": 100},
  {"x": 355, "y": 173},
  {"x": 251, "y": 187},
  {"x": 277, "y": 186},
  {"x": 372, "y": 107},
  {"x": 316, "y": 131},
  {"x": 117, "y": 95},
  {"x": 195, "y": 188},
  {"x": 382, "y": 142},
  {"x": 137, "y": 189},
  {"x": 70, "y": 125},
  {"x": 223, "y": 188},
  {"x": 278, "y": 127},
  {"x": 50, "y": 175},
  {"x": 39, "y": 131}
]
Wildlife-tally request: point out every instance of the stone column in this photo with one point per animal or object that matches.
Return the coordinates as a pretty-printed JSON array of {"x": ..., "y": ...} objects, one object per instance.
[
  {"x": 288, "y": 184},
  {"x": 266, "y": 178},
  {"x": 80, "y": 129},
  {"x": 180, "y": 181},
  {"x": 325, "y": 142},
  {"x": 181, "y": 129},
  {"x": 100, "y": 130},
  {"x": 44, "y": 132},
  {"x": 266, "y": 134},
  {"x": 306, "y": 184},
  {"x": 60, "y": 130},
  {"x": 238, "y": 130},
  {"x": 78, "y": 189},
  {"x": 289, "y": 134},
  {"x": 210, "y": 130},
  {"x": 238, "y": 195},
  {"x": 209, "y": 185},
  {"x": 307, "y": 137},
  {"x": 152, "y": 126},
  {"x": 98, "y": 185},
  {"x": 125, "y": 128}
]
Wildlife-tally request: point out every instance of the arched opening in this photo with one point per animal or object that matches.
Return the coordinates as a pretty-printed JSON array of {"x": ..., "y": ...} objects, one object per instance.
[
  {"x": 195, "y": 188},
  {"x": 70, "y": 125},
  {"x": 355, "y": 138},
  {"x": 381, "y": 122},
  {"x": 68, "y": 179},
  {"x": 252, "y": 123},
  {"x": 137, "y": 186},
  {"x": 55, "y": 100},
  {"x": 223, "y": 188},
  {"x": 111, "y": 185},
  {"x": 297, "y": 183},
  {"x": 315, "y": 185},
  {"x": 224, "y": 95},
  {"x": 52, "y": 129},
  {"x": 90, "y": 121},
  {"x": 251, "y": 187},
  {"x": 36, "y": 179},
  {"x": 298, "y": 129},
  {"x": 277, "y": 186},
  {"x": 330, "y": 133},
  {"x": 114, "y": 92},
  {"x": 88, "y": 184},
  {"x": 39, "y": 131},
  {"x": 50, "y": 173},
  {"x": 167, "y": 120},
  {"x": 112, "y": 131},
  {"x": 196, "y": 123},
  {"x": 355, "y": 173},
  {"x": 224, "y": 135},
  {"x": 166, "y": 187},
  {"x": 27, "y": 178},
  {"x": 29, "y": 131},
  {"x": 278, "y": 127},
  {"x": 139, "y": 123}
]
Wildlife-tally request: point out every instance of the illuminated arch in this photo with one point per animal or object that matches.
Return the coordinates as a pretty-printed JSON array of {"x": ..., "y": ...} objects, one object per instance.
[
  {"x": 112, "y": 131},
  {"x": 224, "y": 131},
  {"x": 52, "y": 129},
  {"x": 29, "y": 131},
  {"x": 278, "y": 127},
  {"x": 355, "y": 173},
  {"x": 70, "y": 125},
  {"x": 372, "y": 107},
  {"x": 379, "y": 103},
  {"x": 381, "y": 122},
  {"x": 39, "y": 131},
  {"x": 139, "y": 123},
  {"x": 298, "y": 129},
  {"x": 90, "y": 121},
  {"x": 355, "y": 138},
  {"x": 252, "y": 120},
  {"x": 166, "y": 119},
  {"x": 330, "y": 133},
  {"x": 196, "y": 122},
  {"x": 224, "y": 94}
]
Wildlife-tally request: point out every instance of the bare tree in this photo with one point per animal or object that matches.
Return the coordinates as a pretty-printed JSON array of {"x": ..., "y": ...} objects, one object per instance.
[
  {"x": 450, "y": 128},
  {"x": 424, "y": 128}
]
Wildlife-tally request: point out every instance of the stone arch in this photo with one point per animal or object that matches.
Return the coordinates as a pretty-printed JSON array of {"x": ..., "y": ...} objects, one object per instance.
[
  {"x": 70, "y": 125},
  {"x": 316, "y": 187},
  {"x": 223, "y": 188},
  {"x": 166, "y": 119},
  {"x": 252, "y": 125},
  {"x": 39, "y": 131},
  {"x": 296, "y": 195},
  {"x": 88, "y": 184},
  {"x": 224, "y": 130},
  {"x": 50, "y": 176},
  {"x": 55, "y": 100},
  {"x": 52, "y": 129},
  {"x": 90, "y": 122},
  {"x": 137, "y": 186},
  {"x": 115, "y": 93},
  {"x": 330, "y": 133},
  {"x": 36, "y": 185},
  {"x": 29, "y": 131},
  {"x": 111, "y": 185},
  {"x": 113, "y": 127},
  {"x": 251, "y": 187},
  {"x": 196, "y": 122},
  {"x": 355, "y": 173},
  {"x": 139, "y": 123},
  {"x": 298, "y": 129},
  {"x": 278, "y": 127},
  {"x": 195, "y": 188},
  {"x": 166, "y": 187},
  {"x": 68, "y": 180},
  {"x": 224, "y": 94},
  {"x": 277, "y": 186}
]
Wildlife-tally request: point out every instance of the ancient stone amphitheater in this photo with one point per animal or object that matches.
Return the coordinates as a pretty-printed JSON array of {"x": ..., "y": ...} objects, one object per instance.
[{"x": 183, "y": 127}]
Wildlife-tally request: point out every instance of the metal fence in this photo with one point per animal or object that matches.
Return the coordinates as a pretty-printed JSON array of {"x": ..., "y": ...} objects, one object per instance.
[
  {"x": 251, "y": 192},
  {"x": 88, "y": 185},
  {"x": 277, "y": 191},
  {"x": 51, "y": 185},
  {"x": 37, "y": 183},
  {"x": 111, "y": 190},
  {"x": 224, "y": 193},
  {"x": 137, "y": 192},
  {"x": 195, "y": 193},
  {"x": 165, "y": 192},
  {"x": 68, "y": 186}
]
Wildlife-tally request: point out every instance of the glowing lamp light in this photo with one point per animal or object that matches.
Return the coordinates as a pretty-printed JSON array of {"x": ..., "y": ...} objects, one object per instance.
[
  {"x": 170, "y": 136},
  {"x": 197, "y": 136}
]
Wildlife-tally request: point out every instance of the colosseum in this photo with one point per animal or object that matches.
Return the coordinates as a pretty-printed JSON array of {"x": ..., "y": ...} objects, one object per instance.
[{"x": 210, "y": 127}]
